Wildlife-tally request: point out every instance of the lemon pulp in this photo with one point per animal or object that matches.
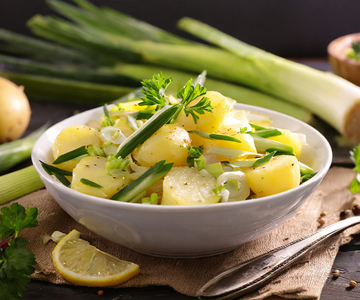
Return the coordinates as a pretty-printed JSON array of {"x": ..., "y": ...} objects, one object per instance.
[{"x": 83, "y": 264}]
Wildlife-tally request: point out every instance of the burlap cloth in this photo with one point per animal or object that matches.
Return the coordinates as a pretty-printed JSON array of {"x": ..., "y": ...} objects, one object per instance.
[{"x": 304, "y": 280}]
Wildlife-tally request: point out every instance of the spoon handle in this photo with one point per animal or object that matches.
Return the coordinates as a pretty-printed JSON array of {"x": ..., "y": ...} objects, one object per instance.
[{"x": 249, "y": 275}]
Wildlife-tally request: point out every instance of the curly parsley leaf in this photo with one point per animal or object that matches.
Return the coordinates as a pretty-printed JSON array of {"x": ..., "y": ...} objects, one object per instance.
[
  {"x": 188, "y": 94},
  {"x": 355, "y": 183},
  {"x": 15, "y": 269},
  {"x": 15, "y": 218},
  {"x": 154, "y": 91}
]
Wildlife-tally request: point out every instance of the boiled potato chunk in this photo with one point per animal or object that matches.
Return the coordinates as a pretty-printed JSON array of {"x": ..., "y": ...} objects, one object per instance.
[
  {"x": 281, "y": 173},
  {"x": 186, "y": 186},
  {"x": 247, "y": 142},
  {"x": 71, "y": 138},
  {"x": 290, "y": 138},
  {"x": 93, "y": 168},
  {"x": 209, "y": 121},
  {"x": 169, "y": 143},
  {"x": 123, "y": 125}
]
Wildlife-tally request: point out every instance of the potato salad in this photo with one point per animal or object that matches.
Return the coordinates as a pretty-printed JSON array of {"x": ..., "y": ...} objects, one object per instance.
[{"x": 192, "y": 148}]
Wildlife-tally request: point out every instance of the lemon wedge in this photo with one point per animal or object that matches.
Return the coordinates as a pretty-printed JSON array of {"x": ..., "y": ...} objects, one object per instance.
[{"x": 83, "y": 264}]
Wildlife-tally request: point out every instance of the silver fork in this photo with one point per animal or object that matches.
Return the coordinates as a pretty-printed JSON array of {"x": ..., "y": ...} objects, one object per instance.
[{"x": 249, "y": 275}]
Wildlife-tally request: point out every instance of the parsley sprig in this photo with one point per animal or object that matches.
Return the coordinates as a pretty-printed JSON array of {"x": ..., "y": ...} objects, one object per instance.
[
  {"x": 16, "y": 263},
  {"x": 154, "y": 95},
  {"x": 355, "y": 183},
  {"x": 154, "y": 91},
  {"x": 188, "y": 94}
]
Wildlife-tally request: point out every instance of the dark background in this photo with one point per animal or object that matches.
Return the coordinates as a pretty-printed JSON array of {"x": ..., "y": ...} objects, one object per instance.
[{"x": 290, "y": 28}]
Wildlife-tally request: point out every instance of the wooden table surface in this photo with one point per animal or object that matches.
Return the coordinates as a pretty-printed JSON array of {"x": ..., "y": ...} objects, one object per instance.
[{"x": 347, "y": 260}]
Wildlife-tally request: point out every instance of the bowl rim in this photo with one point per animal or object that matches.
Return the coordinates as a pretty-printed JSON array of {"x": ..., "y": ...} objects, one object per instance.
[
  {"x": 331, "y": 48},
  {"x": 193, "y": 208}
]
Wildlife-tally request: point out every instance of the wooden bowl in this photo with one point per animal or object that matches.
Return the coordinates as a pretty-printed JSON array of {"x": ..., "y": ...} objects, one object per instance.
[{"x": 342, "y": 65}]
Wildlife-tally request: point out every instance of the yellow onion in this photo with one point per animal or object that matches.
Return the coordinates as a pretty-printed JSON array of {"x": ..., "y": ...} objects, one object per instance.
[{"x": 15, "y": 111}]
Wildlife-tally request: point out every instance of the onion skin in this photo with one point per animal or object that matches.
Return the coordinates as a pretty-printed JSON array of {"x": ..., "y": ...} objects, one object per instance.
[{"x": 15, "y": 111}]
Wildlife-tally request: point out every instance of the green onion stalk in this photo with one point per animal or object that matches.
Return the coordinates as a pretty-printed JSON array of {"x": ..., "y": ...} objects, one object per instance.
[
  {"x": 27, "y": 181},
  {"x": 15, "y": 152}
]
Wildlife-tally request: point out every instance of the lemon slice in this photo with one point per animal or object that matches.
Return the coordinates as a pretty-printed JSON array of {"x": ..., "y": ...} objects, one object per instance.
[{"x": 83, "y": 264}]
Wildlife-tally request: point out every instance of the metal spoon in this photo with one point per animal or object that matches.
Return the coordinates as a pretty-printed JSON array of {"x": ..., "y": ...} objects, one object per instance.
[{"x": 253, "y": 273}]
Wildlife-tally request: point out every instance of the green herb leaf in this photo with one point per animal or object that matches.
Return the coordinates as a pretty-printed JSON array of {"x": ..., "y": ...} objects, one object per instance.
[
  {"x": 154, "y": 91},
  {"x": 107, "y": 121},
  {"x": 132, "y": 123},
  {"x": 90, "y": 183},
  {"x": 54, "y": 170},
  {"x": 306, "y": 177},
  {"x": 71, "y": 155},
  {"x": 257, "y": 127},
  {"x": 264, "y": 159},
  {"x": 15, "y": 269},
  {"x": 15, "y": 218},
  {"x": 356, "y": 47},
  {"x": 63, "y": 179},
  {"x": 193, "y": 153},
  {"x": 137, "y": 187},
  {"x": 215, "y": 136},
  {"x": 232, "y": 166},
  {"x": 354, "y": 186},
  {"x": 355, "y": 157},
  {"x": 188, "y": 94},
  {"x": 159, "y": 119},
  {"x": 266, "y": 133}
]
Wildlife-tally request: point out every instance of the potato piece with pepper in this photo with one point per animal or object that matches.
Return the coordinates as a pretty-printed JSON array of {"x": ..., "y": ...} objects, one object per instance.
[
  {"x": 281, "y": 173},
  {"x": 246, "y": 141},
  {"x": 71, "y": 138},
  {"x": 209, "y": 121},
  {"x": 93, "y": 168},
  {"x": 169, "y": 143},
  {"x": 290, "y": 138}
]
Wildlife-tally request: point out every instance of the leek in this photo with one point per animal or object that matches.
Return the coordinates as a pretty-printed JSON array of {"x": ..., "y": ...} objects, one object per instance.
[
  {"x": 332, "y": 98},
  {"x": 15, "y": 152},
  {"x": 66, "y": 91},
  {"x": 27, "y": 181}
]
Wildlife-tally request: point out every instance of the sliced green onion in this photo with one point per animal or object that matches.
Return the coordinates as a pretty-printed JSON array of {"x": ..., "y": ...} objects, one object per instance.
[
  {"x": 306, "y": 177},
  {"x": 153, "y": 199},
  {"x": 54, "y": 170},
  {"x": 200, "y": 162},
  {"x": 266, "y": 133},
  {"x": 229, "y": 152},
  {"x": 214, "y": 136},
  {"x": 132, "y": 123},
  {"x": 214, "y": 169},
  {"x": 134, "y": 189},
  {"x": 159, "y": 119},
  {"x": 266, "y": 145},
  {"x": 107, "y": 121},
  {"x": 232, "y": 185},
  {"x": 305, "y": 170},
  {"x": 96, "y": 150},
  {"x": 19, "y": 183},
  {"x": 244, "y": 163},
  {"x": 13, "y": 153},
  {"x": 71, "y": 155},
  {"x": 257, "y": 127},
  {"x": 232, "y": 166},
  {"x": 264, "y": 159},
  {"x": 90, "y": 183}
]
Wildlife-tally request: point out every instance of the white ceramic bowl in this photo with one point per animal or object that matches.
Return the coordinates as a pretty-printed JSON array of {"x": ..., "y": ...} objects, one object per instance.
[{"x": 182, "y": 231}]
